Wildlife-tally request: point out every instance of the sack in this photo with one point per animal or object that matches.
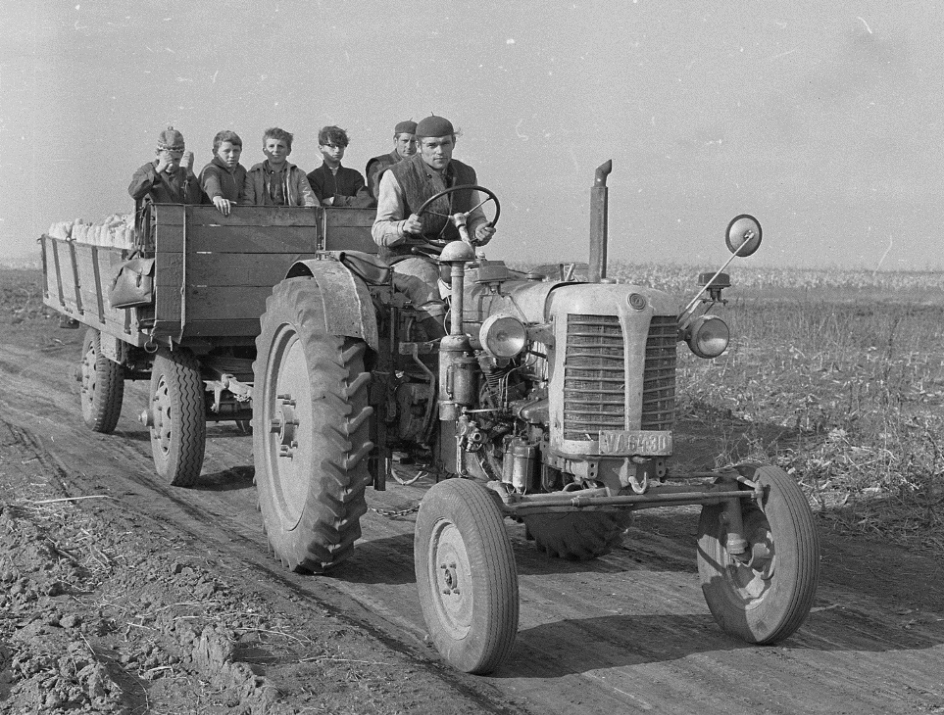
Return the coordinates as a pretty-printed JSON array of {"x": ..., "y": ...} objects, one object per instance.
[{"x": 134, "y": 284}]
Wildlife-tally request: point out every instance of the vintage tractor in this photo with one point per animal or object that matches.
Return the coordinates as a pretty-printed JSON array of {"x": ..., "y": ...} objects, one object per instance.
[{"x": 549, "y": 402}]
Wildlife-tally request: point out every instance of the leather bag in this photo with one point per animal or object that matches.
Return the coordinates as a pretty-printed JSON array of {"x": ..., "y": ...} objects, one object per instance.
[{"x": 134, "y": 284}]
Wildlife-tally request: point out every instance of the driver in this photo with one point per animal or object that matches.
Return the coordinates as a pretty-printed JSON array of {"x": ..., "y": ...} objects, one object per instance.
[{"x": 404, "y": 188}]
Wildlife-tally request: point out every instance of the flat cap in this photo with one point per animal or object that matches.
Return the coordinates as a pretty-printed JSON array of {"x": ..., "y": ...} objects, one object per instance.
[
  {"x": 433, "y": 126},
  {"x": 170, "y": 140},
  {"x": 408, "y": 127}
]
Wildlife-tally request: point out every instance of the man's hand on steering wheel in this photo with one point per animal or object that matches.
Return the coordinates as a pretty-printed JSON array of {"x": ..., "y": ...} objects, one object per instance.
[
  {"x": 483, "y": 233},
  {"x": 413, "y": 225}
]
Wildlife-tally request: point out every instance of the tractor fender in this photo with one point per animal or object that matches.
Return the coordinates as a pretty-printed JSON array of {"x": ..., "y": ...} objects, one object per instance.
[{"x": 349, "y": 309}]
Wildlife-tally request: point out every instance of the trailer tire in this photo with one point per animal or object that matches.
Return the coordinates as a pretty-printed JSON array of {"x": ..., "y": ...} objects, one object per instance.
[
  {"x": 310, "y": 431},
  {"x": 466, "y": 575},
  {"x": 103, "y": 385},
  {"x": 578, "y": 536},
  {"x": 766, "y": 596},
  {"x": 178, "y": 416}
]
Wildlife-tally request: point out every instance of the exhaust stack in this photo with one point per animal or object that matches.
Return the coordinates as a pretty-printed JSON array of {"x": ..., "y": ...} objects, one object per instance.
[{"x": 596, "y": 268}]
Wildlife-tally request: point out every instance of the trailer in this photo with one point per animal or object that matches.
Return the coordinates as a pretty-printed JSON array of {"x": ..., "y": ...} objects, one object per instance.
[{"x": 210, "y": 276}]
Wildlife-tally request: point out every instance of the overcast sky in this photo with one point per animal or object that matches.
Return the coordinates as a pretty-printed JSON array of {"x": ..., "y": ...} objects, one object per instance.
[{"x": 824, "y": 119}]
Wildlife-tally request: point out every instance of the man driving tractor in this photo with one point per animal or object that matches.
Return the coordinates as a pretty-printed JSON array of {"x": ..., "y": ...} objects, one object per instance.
[{"x": 401, "y": 229}]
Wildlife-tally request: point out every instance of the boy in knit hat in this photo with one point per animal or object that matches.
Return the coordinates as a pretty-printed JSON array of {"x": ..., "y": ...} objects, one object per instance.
[
  {"x": 404, "y": 146},
  {"x": 168, "y": 179},
  {"x": 222, "y": 179}
]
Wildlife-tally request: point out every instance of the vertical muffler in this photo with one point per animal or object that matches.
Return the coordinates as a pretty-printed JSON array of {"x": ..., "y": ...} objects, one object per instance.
[{"x": 596, "y": 269}]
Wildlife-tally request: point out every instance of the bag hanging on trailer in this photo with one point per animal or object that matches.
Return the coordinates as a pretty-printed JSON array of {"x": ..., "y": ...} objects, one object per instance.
[{"x": 134, "y": 284}]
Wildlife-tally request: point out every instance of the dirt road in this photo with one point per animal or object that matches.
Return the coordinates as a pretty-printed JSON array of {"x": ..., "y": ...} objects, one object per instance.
[{"x": 629, "y": 632}]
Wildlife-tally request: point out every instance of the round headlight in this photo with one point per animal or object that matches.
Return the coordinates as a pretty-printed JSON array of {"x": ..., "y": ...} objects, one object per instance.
[
  {"x": 709, "y": 336},
  {"x": 503, "y": 336}
]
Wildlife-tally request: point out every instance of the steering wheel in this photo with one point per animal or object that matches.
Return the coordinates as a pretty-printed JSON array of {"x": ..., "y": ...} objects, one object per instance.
[{"x": 436, "y": 244}]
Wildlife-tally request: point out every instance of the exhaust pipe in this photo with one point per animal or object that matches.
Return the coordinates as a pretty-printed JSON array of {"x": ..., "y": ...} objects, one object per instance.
[{"x": 596, "y": 268}]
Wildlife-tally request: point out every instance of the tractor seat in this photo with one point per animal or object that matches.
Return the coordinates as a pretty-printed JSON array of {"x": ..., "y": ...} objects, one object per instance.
[{"x": 366, "y": 266}]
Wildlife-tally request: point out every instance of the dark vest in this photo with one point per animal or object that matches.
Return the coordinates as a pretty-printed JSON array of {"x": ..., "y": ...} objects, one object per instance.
[{"x": 420, "y": 183}]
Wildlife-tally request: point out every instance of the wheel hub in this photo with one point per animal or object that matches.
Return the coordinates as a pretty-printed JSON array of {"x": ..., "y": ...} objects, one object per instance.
[{"x": 285, "y": 426}]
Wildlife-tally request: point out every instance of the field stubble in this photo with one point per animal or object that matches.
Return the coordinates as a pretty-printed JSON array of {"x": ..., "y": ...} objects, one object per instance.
[{"x": 840, "y": 381}]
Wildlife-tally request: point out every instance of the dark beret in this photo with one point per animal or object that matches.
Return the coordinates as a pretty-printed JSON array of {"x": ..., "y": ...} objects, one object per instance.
[
  {"x": 433, "y": 126},
  {"x": 408, "y": 127}
]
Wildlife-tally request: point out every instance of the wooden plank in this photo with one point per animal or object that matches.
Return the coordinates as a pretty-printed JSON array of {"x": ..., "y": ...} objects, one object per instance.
[
  {"x": 349, "y": 217},
  {"x": 349, "y": 238},
  {"x": 241, "y": 239},
  {"x": 204, "y": 215},
  {"x": 75, "y": 275},
  {"x": 100, "y": 289},
  {"x": 225, "y": 303},
  {"x": 245, "y": 328},
  {"x": 59, "y": 291},
  {"x": 235, "y": 269}
]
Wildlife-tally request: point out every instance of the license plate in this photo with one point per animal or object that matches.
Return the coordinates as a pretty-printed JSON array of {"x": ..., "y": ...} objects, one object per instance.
[{"x": 647, "y": 443}]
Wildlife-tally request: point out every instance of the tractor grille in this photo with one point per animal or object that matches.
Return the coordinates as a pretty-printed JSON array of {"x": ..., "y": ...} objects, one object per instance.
[
  {"x": 595, "y": 384},
  {"x": 658, "y": 387}
]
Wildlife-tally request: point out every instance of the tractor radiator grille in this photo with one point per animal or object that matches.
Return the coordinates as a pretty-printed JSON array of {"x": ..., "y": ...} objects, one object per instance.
[
  {"x": 595, "y": 383},
  {"x": 658, "y": 387}
]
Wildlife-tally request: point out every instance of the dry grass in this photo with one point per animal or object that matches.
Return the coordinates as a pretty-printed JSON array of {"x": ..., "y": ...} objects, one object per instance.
[{"x": 838, "y": 377}]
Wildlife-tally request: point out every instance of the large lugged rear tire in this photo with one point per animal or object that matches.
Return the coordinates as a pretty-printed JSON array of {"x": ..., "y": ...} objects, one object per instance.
[
  {"x": 466, "y": 576},
  {"x": 103, "y": 386},
  {"x": 310, "y": 430},
  {"x": 579, "y": 536},
  {"x": 764, "y": 597},
  {"x": 178, "y": 417}
]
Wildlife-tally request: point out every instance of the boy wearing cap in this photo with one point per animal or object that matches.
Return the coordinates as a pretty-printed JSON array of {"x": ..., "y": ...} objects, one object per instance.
[
  {"x": 168, "y": 179},
  {"x": 333, "y": 184},
  {"x": 276, "y": 181},
  {"x": 404, "y": 146},
  {"x": 406, "y": 186},
  {"x": 222, "y": 179}
]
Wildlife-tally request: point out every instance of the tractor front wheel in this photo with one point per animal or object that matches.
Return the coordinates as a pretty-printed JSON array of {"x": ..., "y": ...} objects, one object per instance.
[
  {"x": 466, "y": 576},
  {"x": 764, "y": 594}
]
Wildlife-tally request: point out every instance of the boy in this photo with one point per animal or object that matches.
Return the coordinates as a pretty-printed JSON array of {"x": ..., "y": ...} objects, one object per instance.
[
  {"x": 276, "y": 181},
  {"x": 222, "y": 179},
  {"x": 168, "y": 179},
  {"x": 333, "y": 184}
]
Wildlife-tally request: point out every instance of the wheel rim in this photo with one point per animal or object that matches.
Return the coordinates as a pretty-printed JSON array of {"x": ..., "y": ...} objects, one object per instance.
[
  {"x": 88, "y": 379},
  {"x": 751, "y": 575},
  {"x": 450, "y": 577},
  {"x": 162, "y": 432},
  {"x": 288, "y": 417}
]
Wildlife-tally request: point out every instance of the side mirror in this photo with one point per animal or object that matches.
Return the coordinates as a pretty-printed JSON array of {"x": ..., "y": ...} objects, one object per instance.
[{"x": 743, "y": 235}]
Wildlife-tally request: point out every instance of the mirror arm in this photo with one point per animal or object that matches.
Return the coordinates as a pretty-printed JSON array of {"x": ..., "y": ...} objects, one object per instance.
[{"x": 690, "y": 308}]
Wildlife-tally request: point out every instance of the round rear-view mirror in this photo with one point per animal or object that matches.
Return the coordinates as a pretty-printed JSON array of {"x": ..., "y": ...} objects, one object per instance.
[{"x": 743, "y": 235}]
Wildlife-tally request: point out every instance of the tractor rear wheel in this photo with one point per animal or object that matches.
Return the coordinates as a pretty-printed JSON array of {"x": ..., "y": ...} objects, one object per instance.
[
  {"x": 466, "y": 575},
  {"x": 579, "y": 536},
  {"x": 103, "y": 386},
  {"x": 764, "y": 595},
  {"x": 310, "y": 431},
  {"x": 178, "y": 416}
]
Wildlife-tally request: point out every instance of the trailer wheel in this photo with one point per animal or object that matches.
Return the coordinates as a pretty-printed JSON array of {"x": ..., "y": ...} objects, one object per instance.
[
  {"x": 764, "y": 596},
  {"x": 178, "y": 417},
  {"x": 310, "y": 431},
  {"x": 466, "y": 575},
  {"x": 103, "y": 386},
  {"x": 579, "y": 536}
]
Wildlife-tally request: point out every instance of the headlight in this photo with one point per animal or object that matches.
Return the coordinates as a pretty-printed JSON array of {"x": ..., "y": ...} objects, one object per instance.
[
  {"x": 709, "y": 336},
  {"x": 503, "y": 336}
]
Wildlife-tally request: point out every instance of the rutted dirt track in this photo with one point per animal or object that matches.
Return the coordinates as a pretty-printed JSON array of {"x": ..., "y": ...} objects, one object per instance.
[{"x": 628, "y": 632}]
